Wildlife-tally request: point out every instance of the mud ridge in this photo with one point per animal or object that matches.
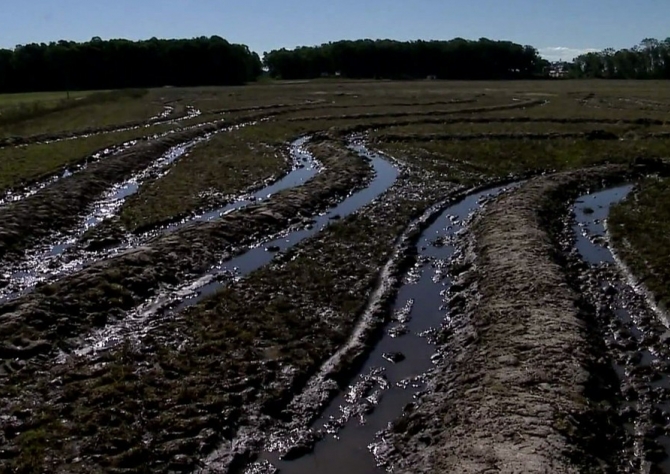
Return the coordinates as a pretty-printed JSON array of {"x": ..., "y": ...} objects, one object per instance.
[
  {"x": 413, "y": 137},
  {"x": 376, "y": 312},
  {"x": 113, "y": 232},
  {"x": 323, "y": 104},
  {"x": 515, "y": 393},
  {"x": 65, "y": 252},
  {"x": 54, "y": 315},
  {"x": 473, "y": 110},
  {"x": 634, "y": 335},
  {"x": 29, "y": 187},
  {"x": 635, "y": 283},
  {"x": 87, "y": 132}
]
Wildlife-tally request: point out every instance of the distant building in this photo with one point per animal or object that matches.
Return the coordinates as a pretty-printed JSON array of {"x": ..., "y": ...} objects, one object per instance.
[{"x": 558, "y": 70}]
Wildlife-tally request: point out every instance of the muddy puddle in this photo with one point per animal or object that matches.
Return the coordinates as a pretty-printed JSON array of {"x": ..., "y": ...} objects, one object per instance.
[
  {"x": 347, "y": 433},
  {"x": 141, "y": 321},
  {"x": 636, "y": 336}
]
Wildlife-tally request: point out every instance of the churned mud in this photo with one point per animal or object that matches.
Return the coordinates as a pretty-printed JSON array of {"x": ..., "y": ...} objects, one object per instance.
[
  {"x": 360, "y": 313},
  {"x": 635, "y": 332},
  {"x": 164, "y": 118},
  {"x": 231, "y": 401},
  {"x": 59, "y": 206}
]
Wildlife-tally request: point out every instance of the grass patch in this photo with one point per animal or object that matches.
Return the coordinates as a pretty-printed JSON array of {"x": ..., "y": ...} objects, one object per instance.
[
  {"x": 640, "y": 227},
  {"x": 27, "y": 164},
  {"x": 250, "y": 345},
  {"x": 46, "y": 99},
  {"x": 500, "y": 128},
  {"x": 226, "y": 165},
  {"x": 241, "y": 340},
  {"x": 213, "y": 171},
  {"x": 496, "y": 158},
  {"x": 98, "y": 109}
]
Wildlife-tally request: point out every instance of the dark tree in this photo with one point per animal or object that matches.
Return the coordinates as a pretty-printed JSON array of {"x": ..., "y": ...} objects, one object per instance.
[
  {"x": 119, "y": 63},
  {"x": 455, "y": 59},
  {"x": 649, "y": 60}
]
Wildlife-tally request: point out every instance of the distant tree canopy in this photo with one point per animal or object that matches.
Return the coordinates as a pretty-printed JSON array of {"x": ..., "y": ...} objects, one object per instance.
[
  {"x": 116, "y": 64},
  {"x": 455, "y": 59},
  {"x": 648, "y": 60}
]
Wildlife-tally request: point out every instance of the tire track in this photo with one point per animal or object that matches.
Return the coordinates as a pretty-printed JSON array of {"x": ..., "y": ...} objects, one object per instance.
[
  {"x": 66, "y": 255},
  {"x": 58, "y": 314}
]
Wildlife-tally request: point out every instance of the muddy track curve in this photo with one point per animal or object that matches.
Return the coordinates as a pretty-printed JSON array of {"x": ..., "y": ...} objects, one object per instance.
[
  {"x": 86, "y": 245},
  {"x": 164, "y": 118},
  {"x": 378, "y": 308},
  {"x": 180, "y": 253}
]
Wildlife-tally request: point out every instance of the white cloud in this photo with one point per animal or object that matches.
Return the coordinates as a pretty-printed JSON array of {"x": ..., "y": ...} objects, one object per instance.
[{"x": 562, "y": 53}]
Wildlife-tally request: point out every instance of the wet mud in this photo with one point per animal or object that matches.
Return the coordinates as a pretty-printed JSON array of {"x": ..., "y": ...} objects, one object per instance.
[
  {"x": 635, "y": 334},
  {"x": 59, "y": 206},
  {"x": 471, "y": 110},
  {"x": 70, "y": 251},
  {"x": 228, "y": 404},
  {"x": 300, "y": 167},
  {"x": 143, "y": 319},
  {"x": 28, "y": 190},
  {"x": 590, "y": 135},
  {"x": 164, "y": 118}
]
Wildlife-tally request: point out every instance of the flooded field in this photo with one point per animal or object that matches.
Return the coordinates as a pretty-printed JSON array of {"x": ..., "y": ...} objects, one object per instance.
[{"x": 339, "y": 277}]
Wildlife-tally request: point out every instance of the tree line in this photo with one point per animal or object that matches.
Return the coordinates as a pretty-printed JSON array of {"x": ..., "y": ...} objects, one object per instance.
[
  {"x": 648, "y": 60},
  {"x": 455, "y": 59},
  {"x": 122, "y": 64},
  {"x": 118, "y": 63}
]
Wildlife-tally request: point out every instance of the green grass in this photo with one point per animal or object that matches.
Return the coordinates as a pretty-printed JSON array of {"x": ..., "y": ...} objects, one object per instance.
[
  {"x": 20, "y": 165},
  {"x": 465, "y": 161},
  {"x": 298, "y": 311},
  {"x": 240, "y": 340},
  {"x": 92, "y": 110},
  {"x": 226, "y": 165},
  {"x": 640, "y": 227},
  {"x": 511, "y": 128},
  {"x": 45, "y": 98}
]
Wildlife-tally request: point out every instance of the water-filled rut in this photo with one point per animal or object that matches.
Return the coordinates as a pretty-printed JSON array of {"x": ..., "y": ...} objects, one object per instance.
[
  {"x": 140, "y": 321},
  {"x": 634, "y": 332},
  {"x": 346, "y": 433},
  {"x": 64, "y": 256}
]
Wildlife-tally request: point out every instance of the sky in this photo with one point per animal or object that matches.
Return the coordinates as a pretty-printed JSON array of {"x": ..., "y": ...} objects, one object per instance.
[{"x": 559, "y": 29}]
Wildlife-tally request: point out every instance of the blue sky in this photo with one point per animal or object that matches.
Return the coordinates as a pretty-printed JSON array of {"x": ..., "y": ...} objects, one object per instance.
[{"x": 558, "y": 28}]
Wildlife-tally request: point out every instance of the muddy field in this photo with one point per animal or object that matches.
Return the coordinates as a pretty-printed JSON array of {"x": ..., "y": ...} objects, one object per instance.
[{"x": 330, "y": 277}]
